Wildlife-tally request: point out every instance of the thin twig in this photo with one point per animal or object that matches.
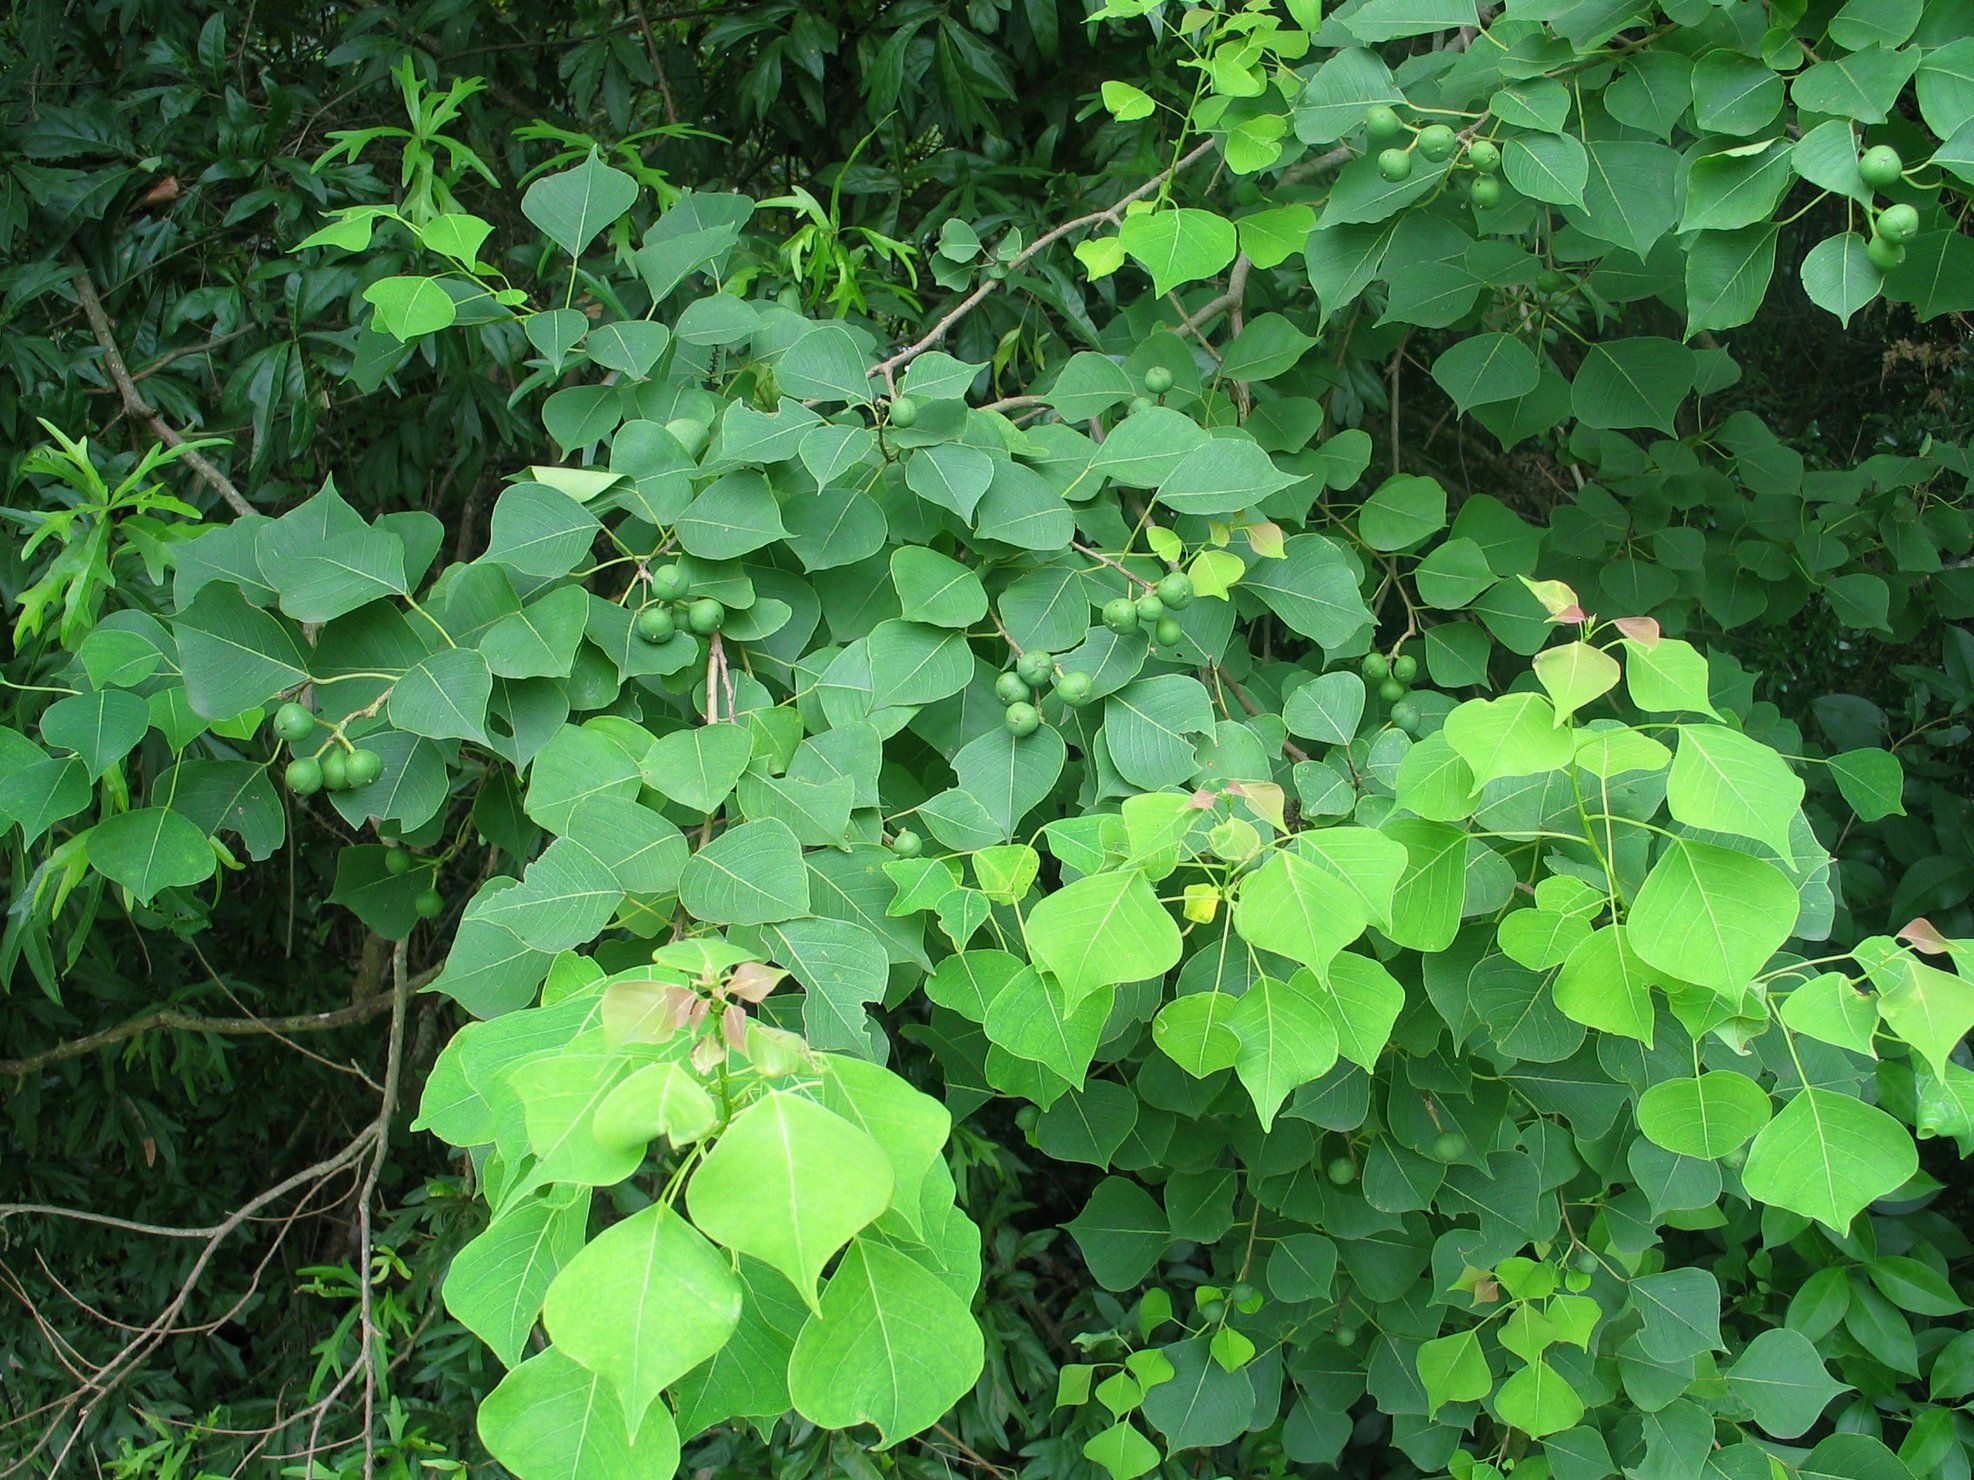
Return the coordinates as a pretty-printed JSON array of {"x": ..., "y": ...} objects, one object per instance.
[
  {"x": 1110, "y": 214},
  {"x": 134, "y": 403}
]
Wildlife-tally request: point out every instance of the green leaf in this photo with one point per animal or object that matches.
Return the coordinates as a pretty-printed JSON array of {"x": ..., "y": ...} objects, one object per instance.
[
  {"x": 446, "y": 695},
  {"x": 697, "y": 767},
  {"x": 540, "y": 640},
  {"x": 1711, "y": 916},
  {"x": 1313, "y": 589},
  {"x": 751, "y": 874},
  {"x": 644, "y": 1304},
  {"x": 1149, "y": 727},
  {"x": 410, "y": 307},
  {"x": 1872, "y": 781},
  {"x": 1121, "y": 1233},
  {"x": 1637, "y": 382},
  {"x": 235, "y": 656},
  {"x": 1838, "y": 275},
  {"x": 936, "y": 589},
  {"x": 1783, "y": 1381},
  {"x": 1734, "y": 93},
  {"x": 1725, "y": 782},
  {"x": 1930, "y": 1009},
  {"x": 1829, "y": 1009},
  {"x": 1705, "y": 1117},
  {"x": 1550, "y": 167},
  {"x": 495, "y": 1285},
  {"x": 1390, "y": 20},
  {"x": 1193, "y": 1031},
  {"x": 1328, "y": 708},
  {"x": 1827, "y": 1156},
  {"x": 1736, "y": 187},
  {"x": 151, "y": 849},
  {"x": 1220, "y": 476},
  {"x": 1339, "y": 94},
  {"x": 1364, "y": 1001},
  {"x": 1518, "y": 735},
  {"x": 551, "y": 1420},
  {"x": 1201, "y": 1404},
  {"x": 1454, "y": 1370},
  {"x": 1030, "y": 1017},
  {"x": 1727, "y": 276},
  {"x": 1295, "y": 909},
  {"x": 1101, "y": 930},
  {"x": 825, "y": 364},
  {"x": 790, "y": 1183},
  {"x": 1574, "y": 675},
  {"x": 912, "y": 663},
  {"x": 1483, "y": 368},
  {"x": 539, "y": 531},
  {"x": 1123, "y": 1452},
  {"x": 101, "y": 727},
  {"x": 1681, "y": 1311},
  {"x": 1667, "y": 677},
  {"x": 572, "y": 206},
  {"x": 1287, "y": 1039},
  {"x": 733, "y": 516},
  {"x": 1404, "y": 510},
  {"x": 1604, "y": 985},
  {"x": 1538, "y": 1401},
  {"x": 890, "y": 1345},
  {"x": 1179, "y": 245}
]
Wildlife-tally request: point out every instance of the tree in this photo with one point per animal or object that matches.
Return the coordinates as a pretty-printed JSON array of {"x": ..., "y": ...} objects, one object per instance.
[{"x": 1437, "y": 977}]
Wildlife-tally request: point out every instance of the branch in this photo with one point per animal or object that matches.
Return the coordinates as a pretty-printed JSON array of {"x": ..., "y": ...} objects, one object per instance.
[
  {"x": 134, "y": 403},
  {"x": 1110, "y": 214},
  {"x": 171, "y": 1019}
]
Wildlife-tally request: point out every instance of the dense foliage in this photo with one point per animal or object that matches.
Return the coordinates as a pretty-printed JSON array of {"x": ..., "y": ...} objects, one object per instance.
[{"x": 1218, "y": 741}]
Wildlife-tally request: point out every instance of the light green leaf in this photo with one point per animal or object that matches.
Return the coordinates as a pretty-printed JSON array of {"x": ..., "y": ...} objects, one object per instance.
[
  {"x": 1783, "y": 1381},
  {"x": 1604, "y": 985},
  {"x": 1101, "y": 930},
  {"x": 1295, "y": 909},
  {"x": 790, "y": 1183},
  {"x": 1872, "y": 781},
  {"x": 1194, "y": 1032},
  {"x": 1287, "y": 1038},
  {"x": 495, "y": 1285},
  {"x": 1538, "y": 1401},
  {"x": 1454, "y": 1370},
  {"x": 1574, "y": 675},
  {"x": 1517, "y": 735},
  {"x": 410, "y": 307},
  {"x": 1179, "y": 245},
  {"x": 551, "y": 1420},
  {"x": 1838, "y": 275},
  {"x": 1711, "y": 916},
  {"x": 1705, "y": 1117},
  {"x": 890, "y": 1345},
  {"x": 1363, "y": 1000},
  {"x": 1827, "y": 1156},
  {"x": 1667, "y": 677},
  {"x": 1725, "y": 782},
  {"x": 644, "y": 1304}
]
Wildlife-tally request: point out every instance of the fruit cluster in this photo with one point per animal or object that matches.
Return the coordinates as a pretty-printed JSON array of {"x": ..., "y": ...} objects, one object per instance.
[
  {"x": 339, "y": 766},
  {"x": 1392, "y": 679},
  {"x": 1437, "y": 143},
  {"x": 672, "y": 606},
  {"x": 1881, "y": 168}
]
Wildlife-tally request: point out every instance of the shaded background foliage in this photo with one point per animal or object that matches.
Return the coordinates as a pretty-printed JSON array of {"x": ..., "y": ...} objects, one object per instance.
[{"x": 169, "y": 155}]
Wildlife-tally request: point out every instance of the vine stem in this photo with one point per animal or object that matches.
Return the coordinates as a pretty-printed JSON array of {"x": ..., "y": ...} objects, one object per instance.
[{"x": 1110, "y": 215}]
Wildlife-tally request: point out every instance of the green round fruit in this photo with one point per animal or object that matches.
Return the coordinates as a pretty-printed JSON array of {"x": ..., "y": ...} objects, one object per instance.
[
  {"x": 293, "y": 722},
  {"x": 1449, "y": 1146},
  {"x": 398, "y": 862},
  {"x": 1176, "y": 590},
  {"x": 1139, "y": 405},
  {"x": 1884, "y": 255},
  {"x": 1881, "y": 167},
  {"x": 655, "y": 624},
  {"x": 1241, "y": 1292},
  {"x": 1550, "y": 281},
  {"x": 1391, "y": 690},
  {"x": 705, "y": 616},
  {"x": 1022, "y": 720},
  {"x": 1395, "y": 164},
  {"x": 363, "y": 766},
  {"x": 1027, "y": 1117},
  {"x": 668, "y": 583},
  {"x": 1168, "y": 632},
  {"x": 1405, "y": 668},
  {"x": 1382, "y": 125},
  {"x": 689, "y": 432},
  {"x": 1736, "y": 1159},
  {"x": 1484, "y": 155},
  {"x": 304, "y": 775},
  {"x": 1010, "y": 689},
  {"x": 336, "y": 771},
  {"x": 1341, "y": 1170},
  {"x": 1586, "y": 1262},
  {"x": 1375, "y": 666},
  {"x": 1437, "y": 142},
  {"x": 1346, "y": 1336},
  {"x": 1074, "y": 689},
  {"x": 904, "y": 411},
  {"x": 1121, "y": 615},
  {"x": 1487, "y": 192},
  {"x": 1158, "y": 380},
  {"x": 1212, "y": 1310},
  {"x": 430, "y": 904},
  {"x": 906, "y": 843},
  {"x": 1897, "y": 224},
  {"x": 1405, "y": 714},
  {"x": 1035, "y": 668},
  {"x": 1150, "y": 609}
]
